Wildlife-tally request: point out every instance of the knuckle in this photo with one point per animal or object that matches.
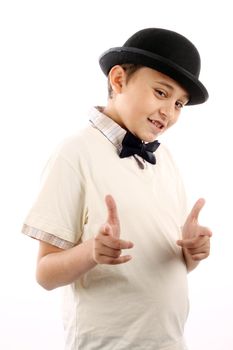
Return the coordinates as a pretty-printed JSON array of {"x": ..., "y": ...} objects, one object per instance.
[
  {"x": 117, "y": 244},
  {"x": 192, "y": 244},
  {"x": 117, "y": 253},
  {"x": 112, "y": 261}
]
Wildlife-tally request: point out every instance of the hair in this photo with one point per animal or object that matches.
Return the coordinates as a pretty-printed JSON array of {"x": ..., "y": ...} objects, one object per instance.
[{"x": 130, "y": 69}]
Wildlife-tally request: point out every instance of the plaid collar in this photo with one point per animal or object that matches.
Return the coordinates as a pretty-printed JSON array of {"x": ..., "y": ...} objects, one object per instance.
[{"x": 110, "y": 129}]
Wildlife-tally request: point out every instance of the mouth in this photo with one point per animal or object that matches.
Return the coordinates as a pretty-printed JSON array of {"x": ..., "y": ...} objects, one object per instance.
[{"x": 156, "y": 123}]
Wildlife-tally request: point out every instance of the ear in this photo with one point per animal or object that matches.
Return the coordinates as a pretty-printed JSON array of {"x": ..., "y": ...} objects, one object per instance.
[{"x": 117, "y": 78}]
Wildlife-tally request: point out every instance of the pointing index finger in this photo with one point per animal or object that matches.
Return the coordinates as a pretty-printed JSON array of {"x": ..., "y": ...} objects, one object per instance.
[
  {"x": 196, "y": 209},
  {"x": 112, "y": 211}
]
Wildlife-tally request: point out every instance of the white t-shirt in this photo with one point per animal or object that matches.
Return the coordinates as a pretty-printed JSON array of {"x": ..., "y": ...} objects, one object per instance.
[{"x": 142, "y": 304}]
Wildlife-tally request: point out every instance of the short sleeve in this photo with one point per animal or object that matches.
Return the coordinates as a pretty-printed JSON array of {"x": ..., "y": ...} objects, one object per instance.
[{"x": 60, "y": 208}]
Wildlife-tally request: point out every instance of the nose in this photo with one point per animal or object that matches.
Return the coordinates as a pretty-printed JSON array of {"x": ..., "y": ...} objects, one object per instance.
[{"x": 166, "y": 110}]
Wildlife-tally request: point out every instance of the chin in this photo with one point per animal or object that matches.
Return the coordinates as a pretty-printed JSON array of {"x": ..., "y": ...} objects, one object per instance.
[
  {"x": 146, "y": 136},
  {"x": 149, "y": 138}
]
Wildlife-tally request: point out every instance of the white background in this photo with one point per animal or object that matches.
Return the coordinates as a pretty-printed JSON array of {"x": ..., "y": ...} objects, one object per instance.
[{"x": 49, "y": 78}]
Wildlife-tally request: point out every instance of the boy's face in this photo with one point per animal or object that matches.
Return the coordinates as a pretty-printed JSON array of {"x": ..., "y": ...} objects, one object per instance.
[{"x": 148, "y": 104}]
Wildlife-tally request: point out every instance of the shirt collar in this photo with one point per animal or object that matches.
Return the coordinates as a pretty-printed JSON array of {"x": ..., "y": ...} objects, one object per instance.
[{"x": 108, "y": 127}]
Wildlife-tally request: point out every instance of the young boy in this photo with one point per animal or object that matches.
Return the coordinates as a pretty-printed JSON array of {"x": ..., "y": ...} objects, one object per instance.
[{"x": 111, "y": 216}]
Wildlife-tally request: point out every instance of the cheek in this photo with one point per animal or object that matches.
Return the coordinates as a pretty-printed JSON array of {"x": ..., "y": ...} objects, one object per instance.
[
  {"x": 133, "y": 106},
  {"x": 173, "y": 120}
]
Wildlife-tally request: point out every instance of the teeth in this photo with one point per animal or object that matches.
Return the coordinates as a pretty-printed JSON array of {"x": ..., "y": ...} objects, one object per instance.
[{"x": 156, "y": 123}]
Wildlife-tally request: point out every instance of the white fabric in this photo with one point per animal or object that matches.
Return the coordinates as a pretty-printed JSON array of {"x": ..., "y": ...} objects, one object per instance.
[{"x": 142, "y": 304}]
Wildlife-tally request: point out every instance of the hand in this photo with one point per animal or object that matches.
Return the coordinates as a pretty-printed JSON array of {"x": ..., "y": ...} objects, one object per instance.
[
  {"x": 107, "y": 243},
  {"x": 196, "y": 238}
]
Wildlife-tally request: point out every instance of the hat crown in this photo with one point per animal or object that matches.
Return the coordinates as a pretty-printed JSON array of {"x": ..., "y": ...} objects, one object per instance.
[
  {"x": 165, "y": 51},
  {"x": 169, "y": 45}
]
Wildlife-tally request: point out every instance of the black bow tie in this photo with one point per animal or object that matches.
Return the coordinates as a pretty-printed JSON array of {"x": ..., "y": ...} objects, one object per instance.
[{"x": 131, "y": 145}]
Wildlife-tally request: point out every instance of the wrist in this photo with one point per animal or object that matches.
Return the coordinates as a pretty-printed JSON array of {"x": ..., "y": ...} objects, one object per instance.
[
  {"x": 190, "y": 263},
  {"x": 90, "y": 253}
]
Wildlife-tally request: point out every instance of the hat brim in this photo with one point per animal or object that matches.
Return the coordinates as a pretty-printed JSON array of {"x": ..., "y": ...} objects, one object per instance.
[{"x": 121, "y": 55}]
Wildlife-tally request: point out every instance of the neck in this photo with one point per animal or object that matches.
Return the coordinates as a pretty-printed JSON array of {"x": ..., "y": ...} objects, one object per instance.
[{"x": 111, "y": 112}]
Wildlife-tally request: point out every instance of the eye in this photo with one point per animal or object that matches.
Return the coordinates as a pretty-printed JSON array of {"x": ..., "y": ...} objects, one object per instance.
[
  {"x": 179, "y": 104},
  {"x": 161, "y": 93}
]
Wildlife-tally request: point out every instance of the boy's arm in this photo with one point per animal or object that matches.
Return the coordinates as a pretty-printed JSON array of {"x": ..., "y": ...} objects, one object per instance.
[
  {"x": 57, "y": 267},
  {"x": 196, "y": 238}
]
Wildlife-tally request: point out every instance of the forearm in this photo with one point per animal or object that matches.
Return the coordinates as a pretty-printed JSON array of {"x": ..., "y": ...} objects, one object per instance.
[{"x": 57, "y": 269}]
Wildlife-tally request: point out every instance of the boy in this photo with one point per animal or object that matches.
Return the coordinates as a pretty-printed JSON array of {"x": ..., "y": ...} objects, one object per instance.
[{"x": 115, "y": 300}]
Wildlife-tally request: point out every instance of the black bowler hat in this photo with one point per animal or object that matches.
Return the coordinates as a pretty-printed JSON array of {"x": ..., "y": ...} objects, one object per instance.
[{"x": 165, "y": 51}]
